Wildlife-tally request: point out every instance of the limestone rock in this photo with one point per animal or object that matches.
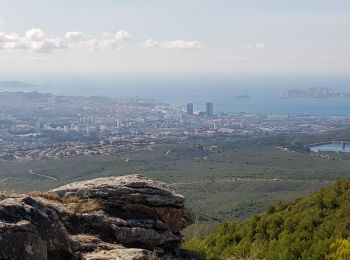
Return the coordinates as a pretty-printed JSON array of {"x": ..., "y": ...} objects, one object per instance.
[
  {"x": 30, "y": 230},
  {"x": 133, "y": 197},
  {"x": 129, "y": 217},
  {"x": 93, "y": 248},
  {"x": 118, "y": 254}
]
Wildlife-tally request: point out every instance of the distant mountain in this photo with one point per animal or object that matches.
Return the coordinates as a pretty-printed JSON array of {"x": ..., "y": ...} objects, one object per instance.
[
  {"x": 312, "y": 227},
  {"x": 243, "y": 96},
  {"x": 15, "y": 84},
  {"x": 318, "y": 92}
]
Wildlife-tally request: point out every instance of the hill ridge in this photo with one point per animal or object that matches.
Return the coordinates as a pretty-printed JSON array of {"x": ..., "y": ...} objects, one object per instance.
[{"x": 316, "y": 226}]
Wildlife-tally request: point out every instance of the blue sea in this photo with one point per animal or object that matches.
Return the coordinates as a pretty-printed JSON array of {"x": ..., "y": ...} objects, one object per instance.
[{"x": 264, "y": 91}]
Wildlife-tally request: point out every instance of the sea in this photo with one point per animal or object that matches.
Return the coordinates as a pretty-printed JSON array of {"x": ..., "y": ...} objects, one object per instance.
[{"x": 258, "y": 94}]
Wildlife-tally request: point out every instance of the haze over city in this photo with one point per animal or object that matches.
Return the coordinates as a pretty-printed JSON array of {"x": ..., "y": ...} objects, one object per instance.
[{"x": 174, "y": 129}]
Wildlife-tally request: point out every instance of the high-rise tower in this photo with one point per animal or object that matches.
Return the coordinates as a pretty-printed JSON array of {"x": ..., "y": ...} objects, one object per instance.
[
  {"x": 209, "y": 109},
  {"x": 190, "y": 109}
]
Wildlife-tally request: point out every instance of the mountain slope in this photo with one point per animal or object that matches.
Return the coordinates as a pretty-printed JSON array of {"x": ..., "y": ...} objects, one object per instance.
[{"x": 312, "y": 227}]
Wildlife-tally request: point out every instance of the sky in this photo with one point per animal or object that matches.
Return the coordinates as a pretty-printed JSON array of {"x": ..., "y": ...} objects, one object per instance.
[{"x": 174, "y": 36}]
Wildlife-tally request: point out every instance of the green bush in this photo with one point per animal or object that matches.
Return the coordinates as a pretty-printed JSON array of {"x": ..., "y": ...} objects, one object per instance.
[
  {"x": 312, "y": 227},
  {"x": 340, "y": 250}
]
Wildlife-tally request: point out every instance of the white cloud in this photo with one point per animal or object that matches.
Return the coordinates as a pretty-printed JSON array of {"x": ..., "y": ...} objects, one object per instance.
[
  {"x": 122, "y": 36},
  {"x": 172, "y": 45},
  {"x": 107, "y": 41},
  {"x": 150, "y": 44},
  {"x": 36, "y": 40},
  {"x": 111, "y": 41},
  {"x": 107, "y": 44},
  {"x": 255, "y": 46},
  {"x": 89, "y": 45},
  {"x": 33, "y": 40},
  {"x": 48, "y": 44},
  {"x": 35, "y": 34},
  {"x": 8, "y": 37},
  {"x": 74, "y": 36}
]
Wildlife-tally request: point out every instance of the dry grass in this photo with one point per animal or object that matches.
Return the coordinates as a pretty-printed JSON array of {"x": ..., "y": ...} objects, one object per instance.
[
  {"x": 85, "y": 206},
  {"x": 73, "y": 203}
]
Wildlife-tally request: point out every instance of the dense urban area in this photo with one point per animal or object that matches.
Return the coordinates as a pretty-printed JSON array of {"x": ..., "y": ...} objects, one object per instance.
[{"x": 36, "y": 126}]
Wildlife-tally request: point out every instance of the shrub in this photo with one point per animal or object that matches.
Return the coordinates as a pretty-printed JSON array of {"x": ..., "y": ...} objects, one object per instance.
[{"x": 312, "y": 227}]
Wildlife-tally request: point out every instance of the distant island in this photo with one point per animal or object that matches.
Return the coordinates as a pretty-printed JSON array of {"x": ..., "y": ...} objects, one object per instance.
[
  {"x": 242, "y": 96},
  {"x": 15, "y": 84},
  {"x": 318, "y": 92}
]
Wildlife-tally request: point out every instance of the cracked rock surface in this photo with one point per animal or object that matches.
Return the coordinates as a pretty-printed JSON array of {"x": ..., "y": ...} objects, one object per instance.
[{"x": 127, "y": 217}]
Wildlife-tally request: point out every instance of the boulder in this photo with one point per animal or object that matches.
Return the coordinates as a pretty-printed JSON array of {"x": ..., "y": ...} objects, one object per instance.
[
  {"x": 129, "y": 217},
  {"x": 92, "y": 248},
  {"x": 133, "y": 197},
  {"x": 30, "y": 230}
]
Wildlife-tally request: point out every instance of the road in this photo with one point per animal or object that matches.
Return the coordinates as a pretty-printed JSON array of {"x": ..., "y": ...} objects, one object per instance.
[
  {"x": 233, "y": 181},
  {"x": 42, "y": 175}
]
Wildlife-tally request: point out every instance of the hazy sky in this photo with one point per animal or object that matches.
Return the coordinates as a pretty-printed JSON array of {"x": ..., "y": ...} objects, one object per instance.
[{"x": 174, "y": 36}]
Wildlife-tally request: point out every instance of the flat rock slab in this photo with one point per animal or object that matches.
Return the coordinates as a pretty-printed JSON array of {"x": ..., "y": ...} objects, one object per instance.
[{"x": 133, "y": 197}]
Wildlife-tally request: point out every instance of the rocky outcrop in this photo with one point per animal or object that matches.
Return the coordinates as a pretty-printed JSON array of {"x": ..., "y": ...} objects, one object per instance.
[
  {"x": 30, "y": 230},
  {"x": 128, "y": 217},
  {"x": 94, "y": 249}
]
